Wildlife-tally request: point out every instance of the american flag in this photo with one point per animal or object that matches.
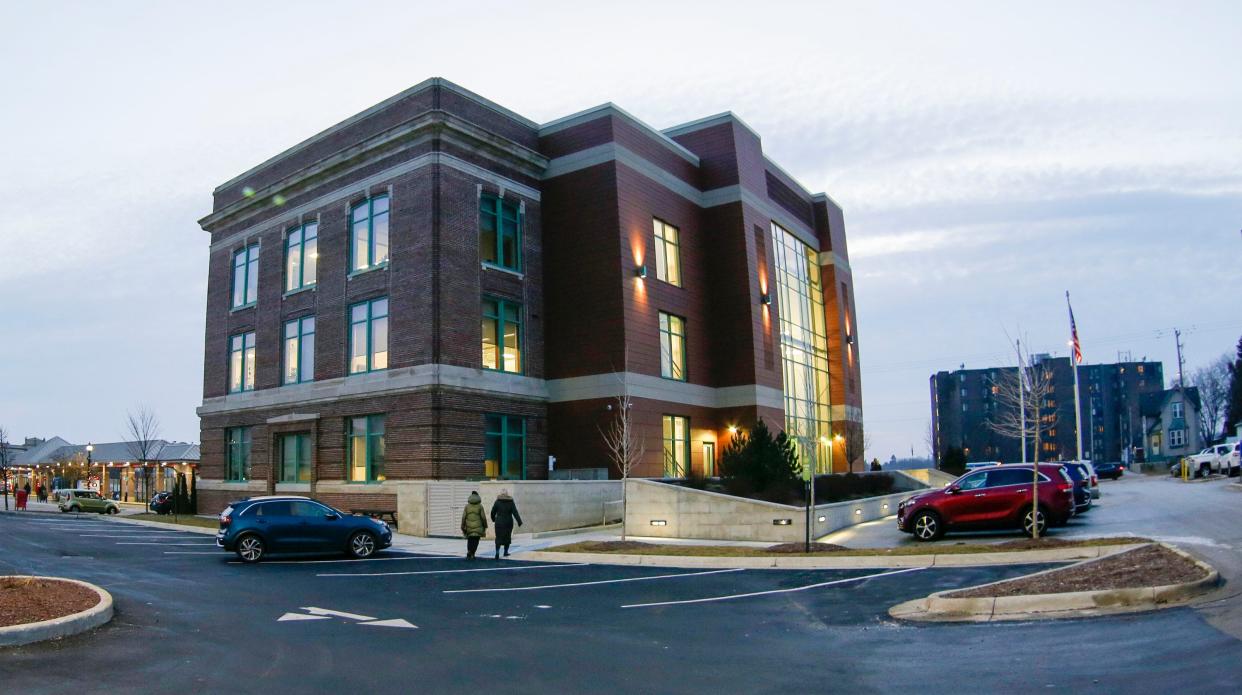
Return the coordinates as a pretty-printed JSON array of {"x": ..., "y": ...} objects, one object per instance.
[{"x": 1074, "y": 333}]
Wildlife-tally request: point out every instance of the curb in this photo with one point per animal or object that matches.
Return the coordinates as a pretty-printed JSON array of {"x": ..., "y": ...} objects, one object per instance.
[
  {"x": 159, "y": 524},
  {"x": 1076, "y": 604},
  {"x": 100, "y": 613},
  {"x": 841, "y": 562}
]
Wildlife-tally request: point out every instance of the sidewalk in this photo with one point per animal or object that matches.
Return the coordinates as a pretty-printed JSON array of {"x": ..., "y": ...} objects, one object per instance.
[{"x": 127, "y": 508}]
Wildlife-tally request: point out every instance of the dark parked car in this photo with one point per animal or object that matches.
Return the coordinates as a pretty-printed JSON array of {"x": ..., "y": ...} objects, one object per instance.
[
  {"x": 996, "y": 497},
  {"x": 1081, "y": 475},
  {"x": 161, "y": 502},
  {"x": 254, "y": 527},
  {"x": 1111, "y": 471}
]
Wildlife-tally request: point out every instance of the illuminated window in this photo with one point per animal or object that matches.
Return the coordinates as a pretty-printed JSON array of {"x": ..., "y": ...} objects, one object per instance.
[
  {"x": 365, "y": 438},
  {"x": 368, "y": 234},
  {"x": 500, "y": 232},
  {"x": 504, "y": 447},
  {"x": 237, "y": 454},
  {"x": 804, "y": 348},
  {"x": 502, "y": 335},
  {"x": 241, "y": 363},
  {"x": 672, "y": 347},
  {"x": 676, "y": 446},
  {"x": 301, "y": 256},
  {"x": 300, "y": 350},
  {"x": 246, "y": 276},
  {"x": 295, "y": 458},
  {"x": 667, "y": 252},
  {"x": 368, "y": 336}
]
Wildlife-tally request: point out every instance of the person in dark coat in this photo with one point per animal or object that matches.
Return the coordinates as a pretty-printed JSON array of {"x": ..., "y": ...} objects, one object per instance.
[
  {"x": 504, "y": 513},
  {"x": 473, "y": 523}
]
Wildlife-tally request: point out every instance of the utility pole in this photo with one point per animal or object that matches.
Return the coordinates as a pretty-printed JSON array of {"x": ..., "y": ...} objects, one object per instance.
[{"x": 1177, "y": 337}]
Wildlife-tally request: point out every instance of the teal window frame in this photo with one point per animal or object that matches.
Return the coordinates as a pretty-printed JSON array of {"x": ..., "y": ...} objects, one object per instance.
[
  {"x": 366, "y": 431},
  {"x": 369, "y": 222},
  {"x": 672, "y": 443},
  {"x": 499, "y": 433},
  {"x": 237, "y": 454},
  {"x": 499, "y": 318},
  {"x": 299, "y": 343},
  {"x": 295, "y": 469},
  {"x": 371, "y": 320},
  {"x": 505, "y": 218},
  {"x": 298, "y": 241},
  {"x": 667, "y": 252},
  {"x": 673, "y": 347},
  {"x": 242, "y": 363},
  {"x": 245, "y": 269}
]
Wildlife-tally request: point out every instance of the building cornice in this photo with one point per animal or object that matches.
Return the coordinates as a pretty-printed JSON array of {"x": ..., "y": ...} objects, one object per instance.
[{"x": 611, "y": 109}]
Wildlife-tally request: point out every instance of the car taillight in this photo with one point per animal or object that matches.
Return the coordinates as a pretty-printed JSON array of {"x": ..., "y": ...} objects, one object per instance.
[
  {"x": 225, "y": 520},
  {"x": 1095, "y": 480}
]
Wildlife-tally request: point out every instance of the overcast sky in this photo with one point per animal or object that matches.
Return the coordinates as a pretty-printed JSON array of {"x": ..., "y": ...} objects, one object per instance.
[{"x": 989, "y": 157}]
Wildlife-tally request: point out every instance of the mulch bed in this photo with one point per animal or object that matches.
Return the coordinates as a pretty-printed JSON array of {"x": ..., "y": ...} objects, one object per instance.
[
  {"x": 801, "y": 548},
  {"x": 31, "y": 600},
  {"x": 613, "y": 546},
  {"x": 1151, "y": 565},
  {"x": 1049, "y": 542}
]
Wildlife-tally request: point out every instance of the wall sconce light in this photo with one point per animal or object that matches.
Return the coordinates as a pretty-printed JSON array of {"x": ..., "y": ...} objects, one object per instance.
[
  {"x": 765, "y": 299},
  {"x": 821, "y": 519},
  {"x": 641, "y": 272},
  {"x": 849, "y": 339},
  {"x": 659, "y": 522},
  {"x": 782, "y": 522},
  {"x": 732, "y": 429},
  {"x": 885, "y": 506},
  {"x": 857, "y": 512}
]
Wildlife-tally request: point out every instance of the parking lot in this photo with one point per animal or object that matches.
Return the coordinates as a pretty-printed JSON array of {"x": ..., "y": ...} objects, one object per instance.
[{"x": 191, "y": 619}]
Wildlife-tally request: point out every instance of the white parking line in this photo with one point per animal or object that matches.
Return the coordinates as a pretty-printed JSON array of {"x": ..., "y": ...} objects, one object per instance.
[
  {"x": 602, "y": 581},
  {"x": 169, "y": 544},
  {"x": 481, "y": 569},
  {"x": 158, "y": 534},
  {"x": 193, "y": 552},
  {"x": 773, "y": 591},
  {"x": 319, "y": 562}
]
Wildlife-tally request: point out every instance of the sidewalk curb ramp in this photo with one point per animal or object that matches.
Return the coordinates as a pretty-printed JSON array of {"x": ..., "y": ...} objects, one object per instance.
[
  {"x": 842, "y": 561},
  {"x": 100, "y": 613},
  {"x": 1077, "y": 604}
]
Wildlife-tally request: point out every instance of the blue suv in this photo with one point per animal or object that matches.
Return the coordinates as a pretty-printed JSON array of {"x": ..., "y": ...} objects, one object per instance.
[{"x": 254, "y": 527}]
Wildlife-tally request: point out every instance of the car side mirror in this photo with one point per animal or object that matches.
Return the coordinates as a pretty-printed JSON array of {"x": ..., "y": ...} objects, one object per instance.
[
  {"x": 954, "y": 489},
  {"x": 330, "y": 516}
]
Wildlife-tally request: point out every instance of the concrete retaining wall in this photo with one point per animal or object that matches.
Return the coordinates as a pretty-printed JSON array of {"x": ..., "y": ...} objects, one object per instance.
[
  {"x": 545, "y": 505},
  {"x": 930, "y": 477}
]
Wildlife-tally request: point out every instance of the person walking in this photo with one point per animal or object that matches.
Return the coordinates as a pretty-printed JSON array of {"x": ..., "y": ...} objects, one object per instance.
[
  {"x": 473, "y": 523},
  {"x": 504, "y": 513}
]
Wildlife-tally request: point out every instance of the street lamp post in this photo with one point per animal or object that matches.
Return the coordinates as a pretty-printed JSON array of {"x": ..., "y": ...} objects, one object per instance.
[{"x": 90, "y": 451}]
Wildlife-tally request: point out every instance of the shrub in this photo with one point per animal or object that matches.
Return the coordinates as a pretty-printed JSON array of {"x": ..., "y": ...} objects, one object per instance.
[
  {"x": 760, "y": 466},
  {"x": 837, "y": 488}
]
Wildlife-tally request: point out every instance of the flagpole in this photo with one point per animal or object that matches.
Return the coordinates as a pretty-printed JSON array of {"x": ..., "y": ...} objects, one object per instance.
[{"x": 1074, "y": 352}]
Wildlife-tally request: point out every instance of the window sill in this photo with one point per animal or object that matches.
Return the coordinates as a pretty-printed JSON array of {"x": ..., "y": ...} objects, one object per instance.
[
  {"x": 243, "y": 307},
  {"x": 300, "y": 290},
  {"x": 501, "y": 371},
  {"x": 364, "y": 482},
  {"x": 355, "y": 273},
  {"x": 673, "y": 378},
  {"x": 369, "y": 371},
  {"x": 515, "y": 273}
]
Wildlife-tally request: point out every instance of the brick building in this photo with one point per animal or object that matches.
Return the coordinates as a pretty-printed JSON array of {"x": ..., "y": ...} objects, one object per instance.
[
  {"x": 438, "y": 287},
  {"x": 963, "y": 403}
]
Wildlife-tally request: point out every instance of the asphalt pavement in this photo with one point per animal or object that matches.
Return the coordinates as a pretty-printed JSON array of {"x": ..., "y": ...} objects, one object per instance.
[{"x": 189, "y": 619}]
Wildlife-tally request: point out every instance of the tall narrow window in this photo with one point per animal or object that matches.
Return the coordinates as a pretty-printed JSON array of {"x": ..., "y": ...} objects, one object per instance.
[
  {"x": 676, "y": 446},
  {"x": 504, "y": 447},
  {"x": 237, "y": 454},
  {"x": 667, "y": 252},
  {"x": 502, "y": 335},
  {"x": 365, "y": 438},
  {"x": 500, "y": 232},
  {"x": 368, "y": 336},
  {"x": 246, "y": 276},
  {"x": 301, "y": 256},
  {"x": 295, "y": 458},
  {"x": 672, "y": 347},
  {"x": 300, "y": 350},
  {"x": 241, "y": 363},
  {"x": 368, "y": 233}
]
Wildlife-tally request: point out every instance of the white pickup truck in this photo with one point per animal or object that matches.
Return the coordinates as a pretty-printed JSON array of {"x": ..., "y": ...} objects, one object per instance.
[{"x": 1218, "y": 459}]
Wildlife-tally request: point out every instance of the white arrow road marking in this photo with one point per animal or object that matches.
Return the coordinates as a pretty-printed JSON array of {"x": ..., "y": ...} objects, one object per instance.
[
  {"x": 299, "y": 616},
  {"x": 395, "y": 622},
  {"x": 773, "y": 591},
  {"x": 340, "y": 614}
]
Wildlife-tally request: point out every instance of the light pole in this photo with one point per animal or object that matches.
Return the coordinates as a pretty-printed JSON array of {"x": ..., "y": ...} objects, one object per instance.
[{"x": 90, "y": 451}]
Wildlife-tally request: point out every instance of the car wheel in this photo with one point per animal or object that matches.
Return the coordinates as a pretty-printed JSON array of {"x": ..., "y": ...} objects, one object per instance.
[
  {"x": 250, "y": 548},
  {"x": 1034, "y": 520},
  {"x": 75, "y": 509},
  {"x": 361, "y": 545},
  {"x": 113, "y": 510},
  {"x": 927, "y": 526}
]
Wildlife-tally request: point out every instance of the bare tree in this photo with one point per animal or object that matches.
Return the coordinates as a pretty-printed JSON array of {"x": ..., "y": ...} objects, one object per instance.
[
  {"x": 1019, "y": 396},
  {"x": 1212, "y": 381},
  {"x": 142, "y": 432},
  {"x": 4, "y": 464},
  {"x": 625, "y": 445}
]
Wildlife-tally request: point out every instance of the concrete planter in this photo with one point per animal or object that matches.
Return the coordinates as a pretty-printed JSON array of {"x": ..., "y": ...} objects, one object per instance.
[{"x": 93, "y": 617}]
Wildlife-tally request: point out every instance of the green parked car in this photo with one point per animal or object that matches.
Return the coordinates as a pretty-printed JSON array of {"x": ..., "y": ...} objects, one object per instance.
[{"x": 84, "y": 501}]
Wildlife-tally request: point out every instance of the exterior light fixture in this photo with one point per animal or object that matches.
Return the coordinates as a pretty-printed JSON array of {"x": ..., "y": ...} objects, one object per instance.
[
  {"x": 641, "y": 272},
  {"x": 821, "y": 519},
  {"x": 857, "y": 512},
  {"x": 765, "y": 299},
  {"x": 732, "y": 429},
  {"x": 659, "y": 522},
  {"x": 849, "y": 339},
  {"x": 885, "y": 506},
  {"x": 782, "y": 522}
]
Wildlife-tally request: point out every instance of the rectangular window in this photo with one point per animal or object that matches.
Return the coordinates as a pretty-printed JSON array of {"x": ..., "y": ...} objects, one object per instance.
[
  {"x": 368, "y": 233},
  {"x": 365, "y": 438},
  {"x": 300, "y": 350},
  {"x": 1179, "y": 410},
  {"x": 301, "y": 256},
  {"x": 667, "y": 252},
  {"x": 237, "y": 454},
  {"x": 672, "y": 347},
  {"x": 368, "y": 336},
  {"x": 295, "y": 458},
  {"x": 504, "y": 447},
  {"x": 676, "y": 446},
  {"x": 246, "y": 276},
  {"x": 1177, "y": 438},
  {"x": 500, "y": 232},
  {"x": 709, "y": 459},
  {"x": 241, "y": 362},
  {"x": 502, "y": 335}
]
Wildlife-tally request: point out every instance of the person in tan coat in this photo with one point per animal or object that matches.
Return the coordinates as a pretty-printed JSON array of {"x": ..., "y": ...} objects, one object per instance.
[{"x": 473, "y": 523}]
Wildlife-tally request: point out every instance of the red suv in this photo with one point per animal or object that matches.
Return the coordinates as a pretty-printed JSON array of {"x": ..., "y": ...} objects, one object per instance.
[{"x": 994, "y": 497}]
